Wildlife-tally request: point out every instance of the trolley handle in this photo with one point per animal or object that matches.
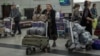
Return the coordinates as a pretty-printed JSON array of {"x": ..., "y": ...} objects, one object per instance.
[{"x": 46, "y": 28}]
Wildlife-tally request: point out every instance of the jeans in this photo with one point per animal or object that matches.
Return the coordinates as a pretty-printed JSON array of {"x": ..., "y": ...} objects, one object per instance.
[{"x": 17, "y": 27}]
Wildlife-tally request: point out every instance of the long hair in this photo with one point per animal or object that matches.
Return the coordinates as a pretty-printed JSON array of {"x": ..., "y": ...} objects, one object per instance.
[
  {"x": 50, "y": 5},
  {"x": 86, "y": 3},
  {"x": 76, "y": 5},
  {"x": 38, "y": 9}
]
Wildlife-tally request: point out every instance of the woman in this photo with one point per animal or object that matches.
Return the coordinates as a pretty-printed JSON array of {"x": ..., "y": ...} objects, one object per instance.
[
  {"x": 94, "y": 11},
  {"x": 52, "y": 30},
  {"x": 94, "y": 14},
  {"x": 76, "y": 14},
  {"x": 38, "y": 9},
  {"x": 87, "y": 17}
]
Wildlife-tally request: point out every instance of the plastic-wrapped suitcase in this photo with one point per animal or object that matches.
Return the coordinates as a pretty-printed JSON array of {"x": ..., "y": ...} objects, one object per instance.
[
  {"x": 38, "y": 28},
  {"x": 31, "y": 31}
]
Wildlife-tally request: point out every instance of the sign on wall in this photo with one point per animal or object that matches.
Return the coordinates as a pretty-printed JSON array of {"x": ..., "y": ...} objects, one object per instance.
[{"x": 64, "y": 2}]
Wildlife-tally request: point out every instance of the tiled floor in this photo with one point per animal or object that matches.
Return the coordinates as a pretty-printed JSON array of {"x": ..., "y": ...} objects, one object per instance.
[{"x": 11, "y": 46}]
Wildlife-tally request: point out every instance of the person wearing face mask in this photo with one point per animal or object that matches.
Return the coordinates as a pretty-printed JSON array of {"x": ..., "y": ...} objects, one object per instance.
[
  {"x": 76, "y": 13},
  {"x": 52, "y": 30},
  {"x": 87, "y": 17}
]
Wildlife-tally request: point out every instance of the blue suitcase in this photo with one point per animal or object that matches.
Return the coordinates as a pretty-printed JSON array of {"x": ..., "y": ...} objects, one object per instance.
[{"x": 96, "y": 45}]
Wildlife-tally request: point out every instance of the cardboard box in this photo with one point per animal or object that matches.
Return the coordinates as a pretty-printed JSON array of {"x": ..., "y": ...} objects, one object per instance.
[{"x": 39, "y": 17}]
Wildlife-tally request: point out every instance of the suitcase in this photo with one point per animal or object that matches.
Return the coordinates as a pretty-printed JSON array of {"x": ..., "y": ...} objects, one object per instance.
[
  {"x": 96, "y": 45},
  {"x": 31, "y": 31},
  {"x": 38, "y": 28}
]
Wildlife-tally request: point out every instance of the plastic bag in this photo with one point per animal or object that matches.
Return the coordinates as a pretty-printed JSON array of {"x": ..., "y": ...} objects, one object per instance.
[
  {"x": 94, "y": 24},
  {"x": 78, "y": 28},
  {"x": 85, "y": 38}
]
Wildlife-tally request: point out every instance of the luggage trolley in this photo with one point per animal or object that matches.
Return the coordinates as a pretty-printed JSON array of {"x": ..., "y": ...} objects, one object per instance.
[
  {"x": 2, "y": 30},
  {"x": 6, "y": 27},
  {"x": 71, "y": 41},
  {"x": 8, "y": 24},
  {"x": 36, "y": 41},
  {"x": 60, "y": 27}
]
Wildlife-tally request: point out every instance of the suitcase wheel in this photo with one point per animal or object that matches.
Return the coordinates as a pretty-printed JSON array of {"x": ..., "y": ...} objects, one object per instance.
[
  {"x": 28, "y": 51},
  {"x": 5, "y": 35},
  {"x": 88, "y": 47},
  {"x": 33, "y": 50},
  {"x": 47, "y": 49},
  {"x": 12, "y": 34},
  {"x": 71, "y": 50},
  {"x": 68, "y": 44}
]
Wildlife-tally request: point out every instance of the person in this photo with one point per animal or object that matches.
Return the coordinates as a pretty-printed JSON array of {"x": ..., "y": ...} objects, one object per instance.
[
  {"x": 38, "y": 9},
  {"x": 94, "y": 14},
  {"x": 87, "y": 17},
  {"x": 76, "y": 13},
  {"x": 94, "y": 11},
  {"x": 52, "y": 30},
  {"x": 15, "y": 14}
]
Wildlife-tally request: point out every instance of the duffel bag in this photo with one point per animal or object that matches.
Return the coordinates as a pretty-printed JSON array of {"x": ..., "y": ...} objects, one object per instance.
[
  {"x": 35, "y": 40},
  {"x": 96, "y": 45}
]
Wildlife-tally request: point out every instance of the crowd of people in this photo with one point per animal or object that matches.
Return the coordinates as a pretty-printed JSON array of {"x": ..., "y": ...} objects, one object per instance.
[
  {"x": 49, "y": 12},
  {"x": 88, "y": 15},
  {"x": 85, "y": 19}
]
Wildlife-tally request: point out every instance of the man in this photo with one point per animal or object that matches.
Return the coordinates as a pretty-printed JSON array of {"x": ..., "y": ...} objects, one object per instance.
[{"x": 15, "y": 14}]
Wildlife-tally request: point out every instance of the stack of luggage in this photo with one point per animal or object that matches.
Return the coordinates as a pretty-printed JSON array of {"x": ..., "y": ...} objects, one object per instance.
[
  {"x": 81, "y": 38},
  {"x": 38, "y": 28},
  {"x": 37, "y": 35}
]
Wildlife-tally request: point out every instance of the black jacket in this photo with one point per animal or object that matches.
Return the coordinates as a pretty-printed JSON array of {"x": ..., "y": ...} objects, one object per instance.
[
  {"x": 15, "y": 14},
  {"x": 52, "y": 23},
  {"x": 86, "y": 13}
]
